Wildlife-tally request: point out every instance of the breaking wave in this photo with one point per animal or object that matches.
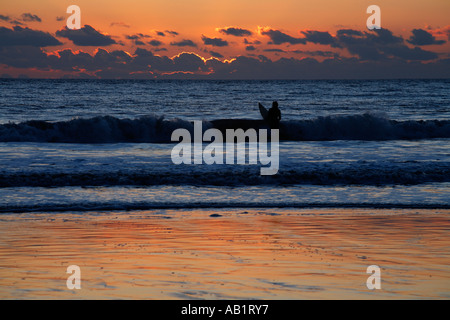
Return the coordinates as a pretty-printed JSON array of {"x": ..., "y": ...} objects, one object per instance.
[
  {"x": 355, "y": 173},
  {"x": 155, "y": 129}
]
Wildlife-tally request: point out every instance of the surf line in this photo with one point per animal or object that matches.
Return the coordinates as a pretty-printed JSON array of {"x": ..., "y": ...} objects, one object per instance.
[{"x": 189, "y": 150}]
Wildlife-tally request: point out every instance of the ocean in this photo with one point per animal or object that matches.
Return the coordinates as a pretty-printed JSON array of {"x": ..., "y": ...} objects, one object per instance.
[
  {"x": 105, "y": 145},
  {"x": 87, "y": 178}
]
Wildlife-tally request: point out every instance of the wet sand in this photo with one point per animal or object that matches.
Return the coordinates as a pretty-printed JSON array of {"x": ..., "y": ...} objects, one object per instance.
[{"x": 226, "y": 254}]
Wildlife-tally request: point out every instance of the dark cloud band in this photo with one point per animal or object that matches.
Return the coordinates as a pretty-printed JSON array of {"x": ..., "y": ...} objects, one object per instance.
[
  {"x": 86, "y": 36},
  {"x": 234, "y": 31}
]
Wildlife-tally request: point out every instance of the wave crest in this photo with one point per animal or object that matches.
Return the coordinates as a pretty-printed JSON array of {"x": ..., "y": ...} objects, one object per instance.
[{"x": 155, "y": 129}]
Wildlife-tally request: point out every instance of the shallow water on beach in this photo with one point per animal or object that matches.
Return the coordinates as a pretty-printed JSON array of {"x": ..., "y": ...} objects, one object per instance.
[{"x": 226, "y": 254}]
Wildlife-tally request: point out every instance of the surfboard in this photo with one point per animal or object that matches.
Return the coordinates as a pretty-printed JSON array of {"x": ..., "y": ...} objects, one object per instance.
[{"x": 263, "y": 111}]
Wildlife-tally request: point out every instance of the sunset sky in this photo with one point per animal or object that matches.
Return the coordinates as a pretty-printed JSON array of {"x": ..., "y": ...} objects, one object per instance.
[{"x": 245, "y": 39}]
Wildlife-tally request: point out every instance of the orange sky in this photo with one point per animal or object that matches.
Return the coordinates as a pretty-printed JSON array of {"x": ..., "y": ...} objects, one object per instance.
[
  {"x": 194, "y": 18},
  {"x": 198, "y": 15}
]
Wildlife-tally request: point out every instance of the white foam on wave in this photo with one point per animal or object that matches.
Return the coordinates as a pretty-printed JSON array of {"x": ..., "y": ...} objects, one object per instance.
[{"x": 66, "y": 199}]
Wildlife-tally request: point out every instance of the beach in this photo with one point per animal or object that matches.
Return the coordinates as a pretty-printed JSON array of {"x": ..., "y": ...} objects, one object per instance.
[{"x": 240, "y": 253}]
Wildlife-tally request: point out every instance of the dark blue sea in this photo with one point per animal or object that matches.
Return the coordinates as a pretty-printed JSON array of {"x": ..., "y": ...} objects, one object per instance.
[{"x": 68, "y": 145}]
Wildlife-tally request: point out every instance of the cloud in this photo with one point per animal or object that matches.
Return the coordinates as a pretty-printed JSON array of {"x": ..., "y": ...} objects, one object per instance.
[
  {"x": 421, "y": 37},
  {"x": 184, "y": 43},
  {"x": 28, "y": 17},
  {"x": 375, "y": 37},
  {"x": 405, "y": 53},
  {"x": 155, "y": 43},
  {"x": 317, "y": 53},
  {"x": 383, "y": 37},
  {"x": 10, "y": 20},
  {"x": 187, "y": 61},
  {"x": 61, "y": 18},
  {"x": 86, "y": 36},
  {"x": 234, "y": 31},
  {"x": 349, "y": 32},
  {"x": 121, "y": 56},
  {"x": 119, "y": 24},
  {"x": 105, "y": 60},
  {"x": 277, "y": 37},
  {"x": 19, "y": 36},
  {"x": 132, "y": 37},
  {"x": 445, "y": 31},
  {"x": 172, "y": 33},
  {"x": 143, "y": 58},
  {"x": 380, "y": 44},
  {"x": 67, "y": 60},
  {"x": 136, "y": 36},
  {"x": 320, "y": 37},
  {"x": 145, "y": 64},
  {"x": 16, "y": 22},
  {"x": 375, "y": 54},
  {"x": 164, "y": 33},
  {"x": 23, "y": 56},
  {"x": 309, "y": 68},
  {"x": 216, "y": 54},
  {"x": 274, "y": 50},
  {"x": 215, "y": 42},
  {"x": 252, "y": 42}
]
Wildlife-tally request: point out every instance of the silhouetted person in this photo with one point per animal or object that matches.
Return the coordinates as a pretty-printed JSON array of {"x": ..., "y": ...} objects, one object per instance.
[{"x": 274, "y": 116}]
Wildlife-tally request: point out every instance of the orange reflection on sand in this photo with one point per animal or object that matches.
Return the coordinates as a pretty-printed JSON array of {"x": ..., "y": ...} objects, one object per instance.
[{"x": 247, "y": 253}]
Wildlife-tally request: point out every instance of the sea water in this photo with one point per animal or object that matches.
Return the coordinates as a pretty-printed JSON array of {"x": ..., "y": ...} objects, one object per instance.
[{"x": 82, "y": 145}]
